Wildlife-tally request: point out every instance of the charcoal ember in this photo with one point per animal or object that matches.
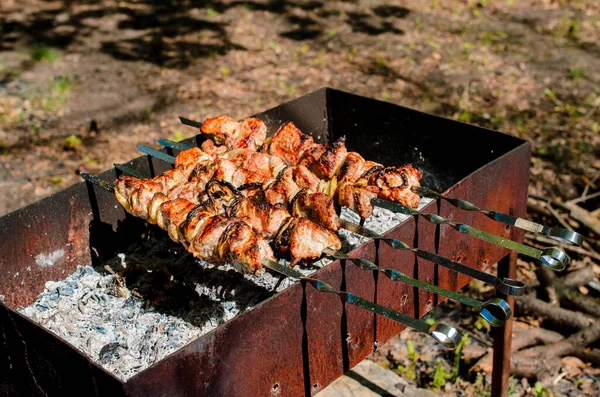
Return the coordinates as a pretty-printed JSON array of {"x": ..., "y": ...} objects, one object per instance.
[{"x": 111, "y": 352}]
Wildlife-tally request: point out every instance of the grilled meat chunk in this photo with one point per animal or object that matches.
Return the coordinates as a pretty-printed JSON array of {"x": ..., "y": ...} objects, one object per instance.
[
  {"x": 301, "y": 239},
  {"x": 396, "y": 183},
  {"x": 357, "y": 198},
  {"x": 249, "y": 134},
  {"x": 331, "y": 160},
  {"x": 241, "y": 246},
  {"x": 318, "y": 207},
  {"x": 171, "y": 215},
  {"x": 261, "y": 215},
  {"x": 289, "y": 143}
]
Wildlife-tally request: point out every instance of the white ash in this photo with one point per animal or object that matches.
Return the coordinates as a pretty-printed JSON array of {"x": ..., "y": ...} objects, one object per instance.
[
  {"x": 381, "y": 221},
  {"x": 125, "y": 334},
  {"x": 107, "y": 323}
]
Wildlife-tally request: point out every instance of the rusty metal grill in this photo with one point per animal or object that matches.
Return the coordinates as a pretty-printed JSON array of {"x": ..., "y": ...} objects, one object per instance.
[{"x": 297, "y": 341}]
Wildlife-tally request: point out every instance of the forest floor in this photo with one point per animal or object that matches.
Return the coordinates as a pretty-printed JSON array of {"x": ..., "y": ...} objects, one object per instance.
[{"x": 81, "y": 83}]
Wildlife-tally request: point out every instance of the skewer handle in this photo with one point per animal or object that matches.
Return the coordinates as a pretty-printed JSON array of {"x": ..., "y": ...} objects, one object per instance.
[
  {"x": 174, "y": 145},
  {"x": 156, "y": 153},
  {"x": 559, "y": 234}
]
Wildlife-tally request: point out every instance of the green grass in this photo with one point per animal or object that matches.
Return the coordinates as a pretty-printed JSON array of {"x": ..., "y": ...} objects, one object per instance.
[
  {"x": 42, "y": 53},
  {"x": 58, "y": 93},
  {"x": 177, "y": 136},
  {"x": 576, "y": 72},
  {"x": 72, "y": 142}
]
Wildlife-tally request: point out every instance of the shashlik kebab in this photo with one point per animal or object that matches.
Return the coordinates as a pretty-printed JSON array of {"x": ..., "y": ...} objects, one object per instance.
[
  {"x": 291, "y": 179},
  {"x": 319, "y": 208},
  {"x": 216, "y": 238},
  {"x": 293, "y": 145},
  {"x": 293, "y": 235}
]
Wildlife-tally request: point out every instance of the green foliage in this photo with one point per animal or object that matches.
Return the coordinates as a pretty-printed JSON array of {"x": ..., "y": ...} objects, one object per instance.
[
  {"x": 440, "y": 375},
  {"x": 177, "y": 136},
  {"x": 541, "y": 391},
  {"x": 576, "y": 72},
  {"x": 43, "y": 53},
  {"x": 482, "y": 325},
  {"x": 211, "y": 12},
  {"x": 72, "y": 142},
  {"x": 57, "y": 95},
  {"x": 225, "y": 71},
  {"x": 56, "y": 180}
]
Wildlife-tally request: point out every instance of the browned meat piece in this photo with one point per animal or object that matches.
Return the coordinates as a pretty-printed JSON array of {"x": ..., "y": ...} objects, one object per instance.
[
  {"x": 312, "y": 154},
  {"x": 253, "y": 167},
  {"x": 289, "y": 182},
  {"x": 225, "y": 170},
  {"x": 250, "y": 133},
  {"x": 262, "y": 216},
  {"x": 205, "y": 243},
  {"x": 171, "y": 215},
  {"x": 395, "y": 184},
  {"x": 195, "y": 221},
  {"x": 304, "y": 178},
  {"x": 154, "y": 206},
  {"x": 289, "y": 143},
  {"x": 222, "y": 129},
  {"x": 357, "y": 198},
  {"x": 140, "y": 198},
  {"x": 302, "y": 239},
  {"x": 318, "y": 207},
  {"x": 213, "y": 150},
  {"x": 352, "y": 168},
  {"x": 241, "y": 246},
  {"x": 283, "y": 188},
  {"x": 331, "y": 161},
  {"x": 187, "y": 160},
  {"x": 124, "y": 188}
]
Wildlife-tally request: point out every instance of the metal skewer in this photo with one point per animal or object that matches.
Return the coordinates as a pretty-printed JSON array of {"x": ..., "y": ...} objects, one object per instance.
[
  {"x": 448, "y": 336},
  {"x": 506, "y": 286},
  {"x": 553, "y": 258},
  {"x": 559, "y": 234},
  {"x": 494, "y": 311}
]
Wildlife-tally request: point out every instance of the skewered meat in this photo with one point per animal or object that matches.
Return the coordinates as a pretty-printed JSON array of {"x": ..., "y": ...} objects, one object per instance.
[
  {"x": 250, "y": 133},
  {"x": 331, "y": 162},
  {"x": 228, "y": 226},
  {"x": 301, "y": 238}
]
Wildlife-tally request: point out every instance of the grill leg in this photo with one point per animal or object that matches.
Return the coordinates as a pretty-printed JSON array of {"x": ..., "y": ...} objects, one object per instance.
[{"x": 507, "y": 267}]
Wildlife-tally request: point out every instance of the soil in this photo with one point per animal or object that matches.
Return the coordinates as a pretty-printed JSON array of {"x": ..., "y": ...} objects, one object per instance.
[{"x": 81, "y": 83}]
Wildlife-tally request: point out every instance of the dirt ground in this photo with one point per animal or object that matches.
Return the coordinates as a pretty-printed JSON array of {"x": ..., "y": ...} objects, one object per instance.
[{"x": 81, "y": 83}]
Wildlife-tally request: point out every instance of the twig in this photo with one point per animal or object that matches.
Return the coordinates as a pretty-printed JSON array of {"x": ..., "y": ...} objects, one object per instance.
[
  {"x": 584, "y": 198},
  {"x": 537, "y": 361},
  {"x": 567, "y": 295},
  {"x": 591, "y": 182},
  {"x": 558, "y": 217},
  {"x": 561, "y": 318}
]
